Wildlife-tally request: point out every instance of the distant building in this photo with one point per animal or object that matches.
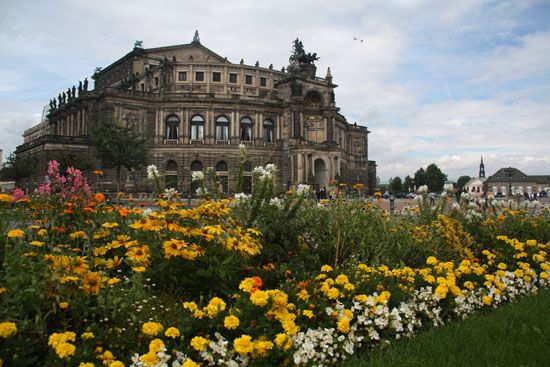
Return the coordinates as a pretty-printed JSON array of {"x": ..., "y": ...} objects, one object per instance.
[
  {"x": 195, "y": 108},
  {"x": 475, "y": 185},
  {"x": 512, "y": 181}
]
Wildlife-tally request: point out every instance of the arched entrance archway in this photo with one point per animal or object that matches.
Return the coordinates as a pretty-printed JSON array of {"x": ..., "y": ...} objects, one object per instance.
[{"x": 320, "y": 175}]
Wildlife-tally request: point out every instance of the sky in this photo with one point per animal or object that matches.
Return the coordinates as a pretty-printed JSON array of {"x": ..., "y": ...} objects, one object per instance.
[{"x": 442, "y": 82}]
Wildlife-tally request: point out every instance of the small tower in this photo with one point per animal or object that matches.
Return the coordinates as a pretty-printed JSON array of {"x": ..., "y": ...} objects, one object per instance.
[{"x": 481, "y": 169}]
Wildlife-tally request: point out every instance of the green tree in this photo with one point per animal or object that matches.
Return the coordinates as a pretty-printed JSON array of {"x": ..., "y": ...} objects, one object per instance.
[
  {"x": 396, "y": 185},
  {"x": 419, "y": 178},
  {"x": 17, "y": 168},
  {"x": 461, "y": 182},
  {"x": 118, "y": 147},
  {"x": 408, "y": 184},
  {"x": 84, "y": 161},
  {"x": 435, "y": 179}
]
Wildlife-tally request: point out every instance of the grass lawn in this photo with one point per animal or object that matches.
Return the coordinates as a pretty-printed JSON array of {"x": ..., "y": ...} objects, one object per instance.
[{"x": 516, "y": 334}]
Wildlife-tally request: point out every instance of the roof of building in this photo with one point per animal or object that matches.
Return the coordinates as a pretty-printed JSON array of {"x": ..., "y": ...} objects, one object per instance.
[{"x": 515, "y": 175}]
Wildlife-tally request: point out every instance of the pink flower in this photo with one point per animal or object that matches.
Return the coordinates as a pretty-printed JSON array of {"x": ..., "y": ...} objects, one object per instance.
[{"x": 17, "y": 194}]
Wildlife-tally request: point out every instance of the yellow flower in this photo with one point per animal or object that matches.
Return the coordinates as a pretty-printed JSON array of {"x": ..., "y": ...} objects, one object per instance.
[
  {"x": 65, "y": 350},
  {"x": 112, "y": 281},
  {"x": 259, "y": 298},
  {"x": 172, "y": 332},
  {"x": 215, "y": 306},
  {"x": 37, "y": 243},
  {"x": 341, "y": 279},
  {"x": 63, "y": 305},
  {"x": 303, "y": 295},
  {"x": 139, "y": 269},
  {"x": 231, "y": 322},
  {"x": 332, "y": 293},
  {"x": 326, "y": 268},
  {"x": 87, "y": 335},
  {"x": 199, "y": 343},
  {"x": 243, "y": 345},
  {"x": 91, "y": 282},
  {"x": 190, "y": 363},
  {"x": 283, "y": 341},
  {"x": 501, "y": 266},
  {"x": 7, "y": 329},
  {"x": 431, "y": 260},
  {"x": 261, "y": 347},
  {"x": 308, "y": 313},
  {"x": 116, "y": 364},
  {"x": 486, "y": 300},
  {"x": 86, "y": 364},
  {"x": 3, "y": 290},
  {"x": 151, "y": 328},
  {"x": 16, "y": 233},
  {"x": 247, "y": 285},
  {"x": 343, "y": 325},
  {"x": 156, "y": 346},
  {"x": 58, "y": 338}
]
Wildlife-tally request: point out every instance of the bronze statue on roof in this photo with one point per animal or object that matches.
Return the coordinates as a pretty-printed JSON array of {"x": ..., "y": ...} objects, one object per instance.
[{"x": 299, "y": 54}]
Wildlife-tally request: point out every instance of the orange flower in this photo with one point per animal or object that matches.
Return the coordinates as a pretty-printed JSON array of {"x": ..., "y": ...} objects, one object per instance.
[
  {"x": 98, "y": 172},
  {"x": 123, "y": 212},
  {"x": 90, "y": 210},
  {"x": 59, "y": 230},
  {"x": 99, "y": 197},
  {"x": 258, "y": 281}
]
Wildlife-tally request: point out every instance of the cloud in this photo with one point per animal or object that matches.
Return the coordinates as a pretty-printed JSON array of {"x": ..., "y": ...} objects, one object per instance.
[{"x": 434, "y": 81}]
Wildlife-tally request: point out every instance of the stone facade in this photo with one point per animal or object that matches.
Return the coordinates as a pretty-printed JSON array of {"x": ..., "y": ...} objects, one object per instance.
[
  {"x": 195, "y": 108},
  {"x": 512, "y": 181}
]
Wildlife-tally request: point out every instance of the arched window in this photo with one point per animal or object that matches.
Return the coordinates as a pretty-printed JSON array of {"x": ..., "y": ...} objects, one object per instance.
[
  {"x": 222, "y": 128},
  {"x": 312, "y": 100},
  {"x": 171, "y": 175},
  {"x": 197, "y": 127},
  {"x": 246, "y": 129},
  {"x": 247, "y": 166},
  {"x": 196, "y": 166},
  {"x": 269, "y": 131},
  {"x": 221, "y": 166},
  {"x": 172, "y": 127},
  {"x": 171, "y": 166}
]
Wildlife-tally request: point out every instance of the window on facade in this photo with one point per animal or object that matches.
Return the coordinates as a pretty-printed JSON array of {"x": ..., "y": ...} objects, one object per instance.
[
  {"x": 172, "y": 127},
  {"x": 263, "y": 82},
  {"x": 221, "y": 166},
  {"x": 246, "y": 129},
  {"x": 197, "y": 127},
  {"x": 216, "y": 76},
  {"x": 248, "y": 79},
  {"x": 232, "y": 78},
  {"x": 269, "y": 131},
  {"x": 182, "y": 76},
  {"x": 142, "y": 87},
  {"x": 156, "y": 81},
  {"x": 222, "y": 128},
  {"x": 196, "y": 166},
  {"x": 199, "y": 76}
]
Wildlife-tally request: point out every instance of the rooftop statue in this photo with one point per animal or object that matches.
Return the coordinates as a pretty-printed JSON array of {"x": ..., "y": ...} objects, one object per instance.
[
  {"x": 299, "y": 54},
  {"x": 196, "y": 37}
]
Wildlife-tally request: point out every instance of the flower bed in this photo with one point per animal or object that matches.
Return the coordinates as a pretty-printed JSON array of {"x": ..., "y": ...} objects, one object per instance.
[{"x": 235, "y": 283}]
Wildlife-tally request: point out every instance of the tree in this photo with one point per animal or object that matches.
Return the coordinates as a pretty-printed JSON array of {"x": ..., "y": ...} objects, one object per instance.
[
  {"x": 408, "y": 184},
  {"x": 435, "y": 179},
  {"x": 17, "y": 168},
  {"x": 396, "y": 185},
  {"x": 84, "y": 161},
  {"x": 118, "y": 147},
  {"x": 419, "y": 178},
  {"x": 461, "y": 182}
]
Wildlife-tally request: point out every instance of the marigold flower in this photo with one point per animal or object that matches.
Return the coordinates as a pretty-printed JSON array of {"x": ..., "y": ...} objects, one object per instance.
[
  {"x": 151, "y": 328},
  {"x": 243, "y": 345},
  {"x": 99, "y": 197},
  {"x": 7, "y": 329},
  {"x": 199, "y": 343},
  {"x": 231, "y": 322},
  {"x": 343, "y": 325},
  {"x": 63, "y": 305},
  {"x": 87, "y": 335},
  {"x": 65, "y": 350},
  {"x": 156, "y": 346},
  {"x": 86, "y": 364},
  {"x": 259, "y": 298},
  {"x": 326, "y": 268},
  {"x": 172, "y": 332},
  {"x": 190, "y": 363}
]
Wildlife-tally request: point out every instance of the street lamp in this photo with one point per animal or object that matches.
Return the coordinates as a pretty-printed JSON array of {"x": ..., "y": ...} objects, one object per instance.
[{"x": 509, "y": 172}]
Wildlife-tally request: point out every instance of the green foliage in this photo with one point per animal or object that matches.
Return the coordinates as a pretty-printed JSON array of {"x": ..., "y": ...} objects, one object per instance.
[
  {"x": 462, "y": 180},
  {"x": 408, "y": 184},
  {"x": 396, "y": 185},
  {"x": 117, "y": 147},
  {"x": 435, "y": 179},
  {"x": 17, "y": 168},
  {"x": 84, "y": 160},
  {"x": 419, "y": 178}
]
